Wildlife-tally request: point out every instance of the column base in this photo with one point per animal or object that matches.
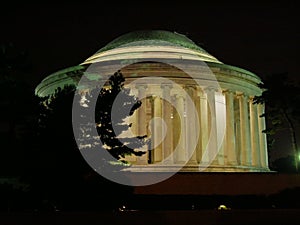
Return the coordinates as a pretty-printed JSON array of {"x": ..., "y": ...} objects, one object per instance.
[{"x": 193, "y": 168}]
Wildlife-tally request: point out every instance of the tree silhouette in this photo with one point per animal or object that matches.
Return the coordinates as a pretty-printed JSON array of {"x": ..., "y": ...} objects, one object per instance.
[
  {"x": 59, "y": 168},
  {"x": 110, "y": 124},
  {"x": 62, "y": 173},
  {"x": 282, "y": 99},
  {"x": 18, "y": 107},
  {"x": 284, "y": 164}
]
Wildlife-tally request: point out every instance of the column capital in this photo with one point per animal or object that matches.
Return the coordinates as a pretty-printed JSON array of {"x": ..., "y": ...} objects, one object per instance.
[
  {"x": 243, "y": 95},
  {"x": 190, "y": 90},
  {"x": 251, "y": 98},
  {"x": 153, "y": 97},
  {"x": 166, "y": 85},
  {"x": 239, "y": 94},
  {"x": 179, "y": 95},
  {"x": 228, "y": 91},
  {"x": 189, "y": 86},
  {"x": 210, "y": 88},
  {"x": 141, "y": 86}
]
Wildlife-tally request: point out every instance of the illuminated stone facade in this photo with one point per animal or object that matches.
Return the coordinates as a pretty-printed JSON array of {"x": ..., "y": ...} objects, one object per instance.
[{"x": 206, "y": 106}]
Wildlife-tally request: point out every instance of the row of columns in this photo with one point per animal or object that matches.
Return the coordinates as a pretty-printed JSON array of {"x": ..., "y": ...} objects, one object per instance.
[{"x": 244, "y": 144}]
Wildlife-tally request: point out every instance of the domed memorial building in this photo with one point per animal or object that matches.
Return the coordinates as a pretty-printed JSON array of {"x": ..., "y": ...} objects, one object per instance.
[{"x": 197, "y": 111}]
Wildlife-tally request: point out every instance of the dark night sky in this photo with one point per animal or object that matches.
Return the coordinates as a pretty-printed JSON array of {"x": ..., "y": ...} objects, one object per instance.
[{"x": 262, "y": 37}]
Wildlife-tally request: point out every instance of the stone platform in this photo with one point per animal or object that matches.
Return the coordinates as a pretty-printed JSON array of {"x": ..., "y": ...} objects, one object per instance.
[{"x": 234, "y": 183}]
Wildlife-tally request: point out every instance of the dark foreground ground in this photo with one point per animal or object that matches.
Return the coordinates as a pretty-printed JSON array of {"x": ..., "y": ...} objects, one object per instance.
[
  {"x": 173, "y": 217},
  {"x": 281, "y": 209},
  {"x": 247, "y": 199}
]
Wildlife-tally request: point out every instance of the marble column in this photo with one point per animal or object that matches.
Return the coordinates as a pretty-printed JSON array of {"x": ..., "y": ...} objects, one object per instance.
[
  {"x": 245, "y": 131},
  {"x": 254, "y": 134},
  {"x": 179, "y": 134},
  {"x": 191, "y": 125},
  {"x": 198, "y": 128},
  {"x": 237, "y": 126},
  {"x": 167, "y": 145},
  {"x": 212, "y": 145},
  {"x": 204, "y": 130},
  {"x": 230, "y": 144},
  {"x": 141, "y": 122},
  {"x": 221, "y": 126},
  {"x": 157, "y": 128},
  {"x": 262, "y": 137}
]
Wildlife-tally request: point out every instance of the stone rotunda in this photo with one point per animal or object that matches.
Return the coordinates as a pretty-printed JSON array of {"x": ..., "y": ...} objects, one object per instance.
[{"x": 198, "y": 111}]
